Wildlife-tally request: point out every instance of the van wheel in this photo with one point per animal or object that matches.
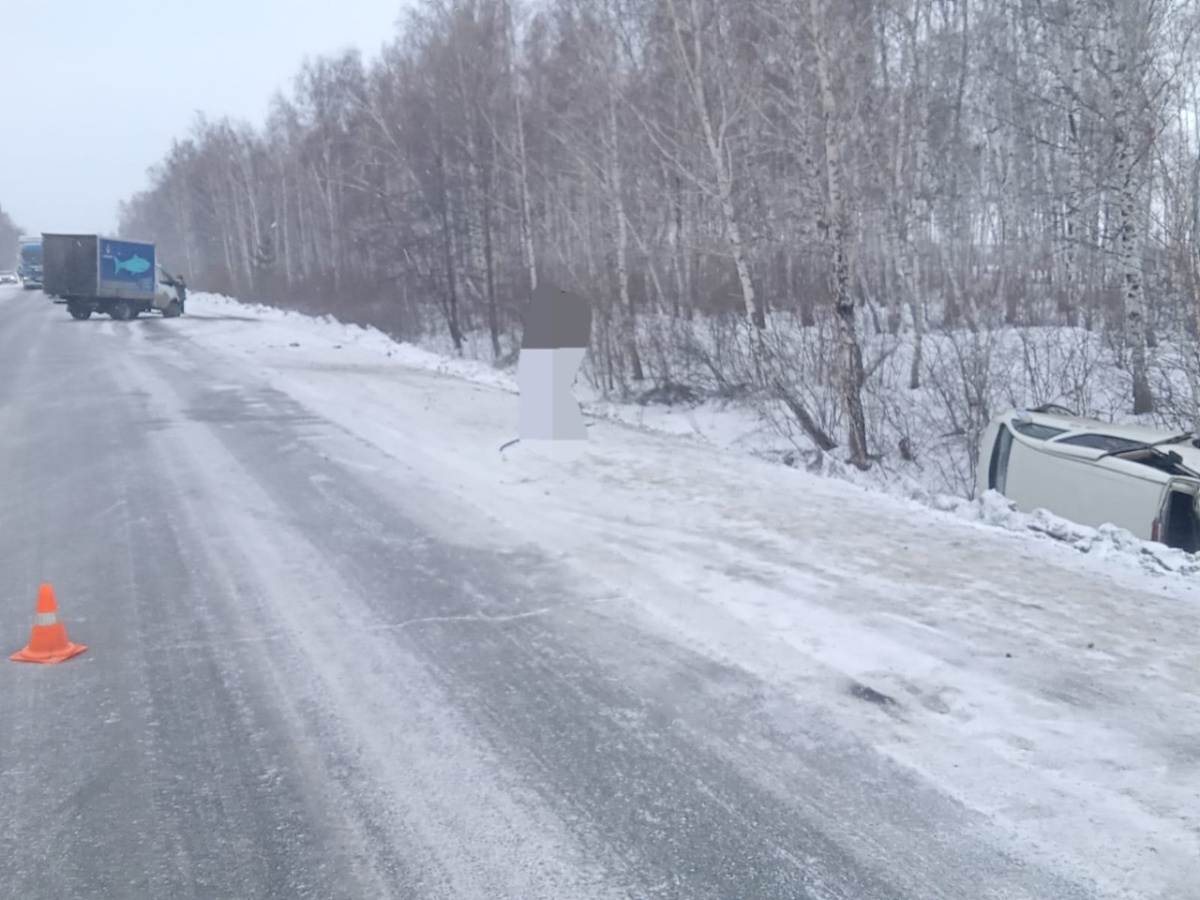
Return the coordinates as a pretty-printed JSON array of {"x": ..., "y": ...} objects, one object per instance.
[
  {"x": 172, "y": 310},
  {"x": 121, "y": 310},
  {"x": 79, "y": 312}
]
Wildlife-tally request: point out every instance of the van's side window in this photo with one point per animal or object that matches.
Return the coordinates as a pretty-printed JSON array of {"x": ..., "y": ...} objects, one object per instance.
[
  {"x": 998, "y": 469},
  {"x": 1038, "y": 432}
]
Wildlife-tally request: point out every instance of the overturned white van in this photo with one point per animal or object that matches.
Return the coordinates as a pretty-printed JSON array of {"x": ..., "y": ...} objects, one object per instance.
[{"x": 1095, "y": 473}]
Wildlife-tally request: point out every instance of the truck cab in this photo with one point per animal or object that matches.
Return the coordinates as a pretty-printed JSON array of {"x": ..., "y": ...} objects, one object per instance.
[
  {"x": 170, "y": 292},
  {"x": 29, "y": 263}
]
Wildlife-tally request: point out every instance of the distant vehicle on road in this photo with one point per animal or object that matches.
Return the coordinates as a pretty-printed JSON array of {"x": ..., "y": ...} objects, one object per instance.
[
  {"x": 90, "y": 273},
  {"x": 8, "y": 276},
  {"x": 29, "y": 262},
  {"x": 1096, "y": 473}
]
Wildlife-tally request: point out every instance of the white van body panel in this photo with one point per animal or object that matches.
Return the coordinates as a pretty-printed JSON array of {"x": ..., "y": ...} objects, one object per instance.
[{"x": 1080, "y": 489}]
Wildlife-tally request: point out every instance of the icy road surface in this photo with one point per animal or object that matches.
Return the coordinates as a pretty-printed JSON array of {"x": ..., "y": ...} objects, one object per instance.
[{"x": 340, "y": 647}]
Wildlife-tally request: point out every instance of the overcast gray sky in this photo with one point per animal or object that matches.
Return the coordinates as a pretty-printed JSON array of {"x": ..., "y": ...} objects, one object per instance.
[{"x": 92, "y": 94}]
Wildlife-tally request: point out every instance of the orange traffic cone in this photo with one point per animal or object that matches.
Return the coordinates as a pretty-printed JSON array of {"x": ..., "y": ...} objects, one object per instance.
[{"x": 48, "y": 643}]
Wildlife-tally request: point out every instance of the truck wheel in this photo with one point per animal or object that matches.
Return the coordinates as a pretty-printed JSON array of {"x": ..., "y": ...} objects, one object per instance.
[
  {"x": 79, "y": 312},
  {"x": 172, "y": 310},
  {"x": 121, "y": 310}
]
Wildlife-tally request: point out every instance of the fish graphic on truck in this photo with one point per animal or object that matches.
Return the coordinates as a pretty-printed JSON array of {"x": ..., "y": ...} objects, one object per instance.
[
  {"x": 134, "y": 264},
  {"x": 126, "y": 261}
]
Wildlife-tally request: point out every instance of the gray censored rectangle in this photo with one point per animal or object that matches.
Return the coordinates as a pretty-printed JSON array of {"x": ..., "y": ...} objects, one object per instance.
[
  {"x": 556, "y": 318},
  {"x": 557, "y": 331}
]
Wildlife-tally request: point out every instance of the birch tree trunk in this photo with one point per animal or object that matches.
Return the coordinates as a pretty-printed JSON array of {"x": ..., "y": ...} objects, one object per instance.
[
  {"x": 1073, "y": 233},
  {"x": 1125, "y": 175},
  {"x": 1129, "y": 260},
  {"x": 522, "y": 160},
  {"x": 693, "y": 62},
  {"x": 617, "y": 205},
  {"x": 836, "y": 227},
  {"x": 489, "y": 257}
]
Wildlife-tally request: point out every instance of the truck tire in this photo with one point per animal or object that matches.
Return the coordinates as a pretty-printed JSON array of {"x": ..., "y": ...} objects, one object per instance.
[
  {"x": 121, "y": 310},
  {"x": 172, "y": 310},
  {"x": 79, "y": 312}
]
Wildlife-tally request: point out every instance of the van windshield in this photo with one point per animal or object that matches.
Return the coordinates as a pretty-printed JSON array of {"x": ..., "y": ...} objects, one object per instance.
[
  {"x": 1107, "y": 442},
  {"x": 1110, "y": 443},
  {"x": 1147, "y": 454}
]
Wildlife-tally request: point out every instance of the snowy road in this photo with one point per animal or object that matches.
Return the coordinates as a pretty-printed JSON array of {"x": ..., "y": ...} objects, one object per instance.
[{"x": 340, "y": 648}]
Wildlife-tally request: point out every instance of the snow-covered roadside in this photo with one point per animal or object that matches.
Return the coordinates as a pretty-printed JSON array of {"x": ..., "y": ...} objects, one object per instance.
[
  {"x": 726, "y": 427},
  {"x": 1051, "y": 688}
]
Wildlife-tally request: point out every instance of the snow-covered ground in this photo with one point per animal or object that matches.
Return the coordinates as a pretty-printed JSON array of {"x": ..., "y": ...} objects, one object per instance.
[{"x": 1043, "y": 673}]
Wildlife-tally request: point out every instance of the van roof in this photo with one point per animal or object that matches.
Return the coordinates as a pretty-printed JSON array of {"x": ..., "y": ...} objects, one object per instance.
[{"x": 1073, "y": 425}]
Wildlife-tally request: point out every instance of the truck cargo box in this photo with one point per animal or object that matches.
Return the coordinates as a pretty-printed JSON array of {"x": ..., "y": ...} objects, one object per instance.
[
  {"x": 70, "y": 264},
  {"x": 87, "y": 266}
]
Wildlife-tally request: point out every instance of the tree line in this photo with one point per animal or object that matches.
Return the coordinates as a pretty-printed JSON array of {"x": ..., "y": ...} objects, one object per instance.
[
  {"x": 759, "y": 196},
  {"x": 10, "y": 236}
]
